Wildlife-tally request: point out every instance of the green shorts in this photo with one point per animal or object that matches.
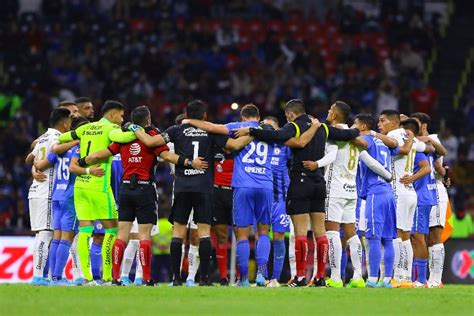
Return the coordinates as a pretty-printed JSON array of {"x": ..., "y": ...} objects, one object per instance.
[{"x": 93, "y": 205}]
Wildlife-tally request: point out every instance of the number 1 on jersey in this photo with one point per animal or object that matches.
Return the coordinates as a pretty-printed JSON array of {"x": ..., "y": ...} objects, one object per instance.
[{"x": 196, "y": 149}]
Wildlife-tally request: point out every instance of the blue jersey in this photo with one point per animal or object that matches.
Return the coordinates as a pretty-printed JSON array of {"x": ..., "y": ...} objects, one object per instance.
[
  {"x": 116, "y": 176},
  {"x": 252, "y": 164},
  {"x": 361, "y": 171},
  {"x": 63, "y": 189},
  {"x": 425, "y": 187},
  {"x": 281, "y": 179},
  {"x": 372, "y": 182}
]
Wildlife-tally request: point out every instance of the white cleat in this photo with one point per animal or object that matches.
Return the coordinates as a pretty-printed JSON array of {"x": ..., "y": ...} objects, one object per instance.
[
  {"x": 273, "y": 283},
  {"x": 419, "y": 285},
  {"x": 435, "y": 285}
]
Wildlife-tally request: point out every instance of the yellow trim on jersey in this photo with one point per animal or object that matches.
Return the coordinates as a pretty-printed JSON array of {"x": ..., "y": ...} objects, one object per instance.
[
  {"x": 326, "y": 128},
  {"x": 298, "y": 131}
]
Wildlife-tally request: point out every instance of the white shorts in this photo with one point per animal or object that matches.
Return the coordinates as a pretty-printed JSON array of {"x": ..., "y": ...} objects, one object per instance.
[
  {"x": 41, "y": 217},
  {"x": 155, "y": 230},
  {"x": 362, "y": 219},
  {"x": 438, "y": 214},
  {"x": 405, "y": 211},
  {"x": 341, "y": 210},
  {"x": 191, "y": 223}
]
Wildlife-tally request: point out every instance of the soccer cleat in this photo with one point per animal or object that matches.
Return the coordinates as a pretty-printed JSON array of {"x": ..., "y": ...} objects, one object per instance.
[
  {"x": 39, "y": 281},
  {"x": 419, "y": 285},
  {"x": 435, "y": 285},
  {"x": 205, "y": 283},
  {"x": 106, "y": 283},
  {"x": 298, "y": 283},
  {"x": 190, "y": 283},
  {"x": 356, "y": 284},
  {"x": 125, "y": 281},
  {"x": 371, "y": 284},
  {"x": 243, "y": 283},
  {"x": 148, "y": 283},
  {"x": 387, "y": 285},
  {"x": 319, "y": 283},
  {"x": 292, "y": 280},
  {"x": 260, "y": 280},
  {"x": 62, "y": 282},
  {"x": 177, "y": 282},
  {"x": 78, "y": 281},
  {"x": 89, "y": 283},
  {"x": 224, "y": 282},
  {"x": 117, "y": 282},
  {"x": 406, "y": 285},
  {"x": 396, "y": 283},
  {"x": 138, "y": 281},
  {"x": 334, "y": 284},
  {"x": 273, "y": 283}
]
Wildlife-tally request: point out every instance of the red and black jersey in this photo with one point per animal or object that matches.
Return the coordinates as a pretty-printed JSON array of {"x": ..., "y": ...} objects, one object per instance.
[
  {"x": 223, "y": 168},
  {"x": 137, "y": 158}
]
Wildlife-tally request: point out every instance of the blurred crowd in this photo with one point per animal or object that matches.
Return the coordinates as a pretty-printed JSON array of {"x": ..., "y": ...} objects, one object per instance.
[{"x": 163, "y": 53}]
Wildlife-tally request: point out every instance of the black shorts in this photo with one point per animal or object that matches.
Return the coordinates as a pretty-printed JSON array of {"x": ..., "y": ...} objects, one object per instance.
[
  {"x": 184, "y": 202},
  {"x": 222, "y": 208},
  {"x": 140, "y": 203},
  {"x": 305, "y": 195}
]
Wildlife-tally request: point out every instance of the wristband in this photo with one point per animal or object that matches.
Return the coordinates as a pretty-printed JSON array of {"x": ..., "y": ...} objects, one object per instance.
[
  {"x": 134, "y": 127},
  {"x": 82, "y": 162},
  {"x": 181, "y": 161},
  {"x": 88, "y": 170},
  {"x": 188, "y": 163}
]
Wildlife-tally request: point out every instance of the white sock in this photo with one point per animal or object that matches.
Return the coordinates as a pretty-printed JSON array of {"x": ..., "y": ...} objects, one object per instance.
[
  {"x": 408, "y": 264},
  {"x": 183, "y": 253},
  {"x": 355, "y": 248},
  {"x": 365, "y": 241},
  {"x": 128, "y": 256},
  {"x": 399, "y": 258},
  {"x": 76, "y": 264},
  {"x": 430, "y": 264},
  {"x": 41, "y": 251},
  {"x": 382, "y": 264},
  {"x": 334, "y": 255},
  {"x": 438, "y": 262},
  {"x": 291, "y": 255},
  {"x": 193, "y": 257},
  {"x": 138, "y": 269}
]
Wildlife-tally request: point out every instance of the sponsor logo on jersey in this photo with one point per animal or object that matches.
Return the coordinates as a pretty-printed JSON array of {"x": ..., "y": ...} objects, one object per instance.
[
  {"x": 135, "y": 149},
  {"x": 194, "y": 132}
]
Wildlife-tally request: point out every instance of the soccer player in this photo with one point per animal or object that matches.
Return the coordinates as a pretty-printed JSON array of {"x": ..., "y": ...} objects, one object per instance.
[
  {"x": 307, "y": 189},
  {"x": 64, "y": 214},
  {"x": 93, "y": 197},
  {"x": 380, "y": 205},
  {"x": 438, "y": 213},
  {"x": 71, "y": 106},
  {"x": 86, "y": 109}
]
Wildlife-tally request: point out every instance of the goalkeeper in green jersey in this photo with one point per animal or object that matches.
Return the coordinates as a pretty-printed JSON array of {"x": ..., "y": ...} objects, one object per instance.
[{"x": 93, "y": 197}]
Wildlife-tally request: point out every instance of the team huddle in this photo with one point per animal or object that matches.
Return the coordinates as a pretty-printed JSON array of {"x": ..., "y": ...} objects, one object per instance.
[{"x": 346, "y": 189}]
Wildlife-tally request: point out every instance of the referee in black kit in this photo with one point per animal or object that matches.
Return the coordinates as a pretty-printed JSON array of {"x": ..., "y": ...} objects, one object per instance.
[{"x": 307, "y": 189}]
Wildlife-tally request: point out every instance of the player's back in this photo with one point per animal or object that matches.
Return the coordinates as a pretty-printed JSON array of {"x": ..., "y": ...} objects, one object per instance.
[
  {"x": 425, "y": 186},
  {"x": 64, "y": 180},
  {"x": 279, "y": 163},
  {"x": 442, "y": 192},
  {"x": 402, "y": 164},
  {"x": 375, "y": 184},
  {"x": 116, "y": 175}
]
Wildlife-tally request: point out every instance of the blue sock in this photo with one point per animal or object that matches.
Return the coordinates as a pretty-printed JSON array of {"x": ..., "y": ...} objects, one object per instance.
[
  {"x": 421, "y": 265},
  {"x": 51, "y": 258},
  {"x": 388, "y": 257},
  {"x": 62, "y": 254},
  {"x": 263, "y": 252},
  {"x": 279, "y": 250},
  {"x": 375, "y": 256},
  {"x": 243, "y": 254},
  {"x": 96, "y": 261},
  {"x": 343, "y": 264}
]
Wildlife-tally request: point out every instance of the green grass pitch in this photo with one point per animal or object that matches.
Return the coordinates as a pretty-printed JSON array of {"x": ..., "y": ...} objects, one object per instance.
[{"x": 162, "y": 300}]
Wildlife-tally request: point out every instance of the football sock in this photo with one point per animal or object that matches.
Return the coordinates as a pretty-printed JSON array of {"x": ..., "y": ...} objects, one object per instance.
[
  {"x": 355, "y": 248},
  {"x": 430, "y": 264},
  {"x": 176, "y": 252},
  {"x": 375, "y": 256},
  {"x": 221, "y": 256},
  {"x": 311, "y": 257},
  {"x": 366, "y": 244},
  {"x": 145, "y": 259},
  {"x": 76, "y": 266},
  {"x": 399, "y": 258},
  {"x": 183, "y": 254},
  {"x": 343, "y": 263},
  {"x": 96, "y": 260},
  {"x": 408, "y": 263},
  {"x": 291, "y": 255},
  {"x": 193, "y": 259},
  {"x": 322, "y": 246},
  {"x": 52, "y": 255},
  {"x": 46, "y": 268},
  {"x": 301, "y": 248},
  {"x": 62, "y": 254},
  {"x": 138, "y": 266},
  {"x": 243, "y": 253},
  {"x": 205, "y": 250},
  {"x": 84, "y": 237},
  {"x": 438, "y": 262},
  {"x": 118, "y": 250},
  {"x": 279, "y": 250},
  {"x": 335, "y": 253},
  {"x": 128, "y": 257},
  {"x": 107, "y": 246},
  {"x": 263, "y": 252},
  {"x": 40, "y": 252},
  {"x": 421, "y": 265},
  {"x": 388, "y": 257}
]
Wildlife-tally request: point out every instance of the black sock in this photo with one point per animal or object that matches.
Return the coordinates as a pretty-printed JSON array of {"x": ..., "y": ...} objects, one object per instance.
[
  {"x": 175, "y": 252},
  {"x": 205, "y": 249}
]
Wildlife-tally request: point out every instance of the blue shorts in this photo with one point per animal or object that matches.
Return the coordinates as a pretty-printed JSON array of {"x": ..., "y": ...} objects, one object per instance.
[
  {"x": 380, "y": 216},
  {"x": 64, "y": 216},
  {"x": 280, "y": 220},
  {"x": 98, "y": 228},
  {"x": 421, "y": 219},
  {"x": 251, "y": 205}
]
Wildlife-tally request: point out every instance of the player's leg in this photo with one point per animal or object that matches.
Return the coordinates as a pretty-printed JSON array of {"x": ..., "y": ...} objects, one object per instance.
[
  {"x": 280, "y": 226},
  {"x": 120, "y": 243},
  {"x": 202, "y": 204},
  {"x": 84, "y": 207},
  {"x": 333, "y": 217},
  {"x": 291, "y": 252},
  {"x": 193, "y": 253},
  {"x": 355, "y": 249},
  {"x": 263, "y": 212},
  {"x": 389, "y": 232},
  {"x": 182, "y": 205},
  {"x": 144, "y": 231},
  {"x": 129, "y": 254},
  {"x": 322, "y": 244},
  {"x": 221, "y": 251},
  {"x": 56, "y": 209},
  {"x": 300, "y": 222},
  {"x": 77, "y": 276},
  {"x": 96, "y": 250},
  {"x": 436, "y": 247},
  {"x": 420, "y": 249},
  {"x": 375, "y": 221}
]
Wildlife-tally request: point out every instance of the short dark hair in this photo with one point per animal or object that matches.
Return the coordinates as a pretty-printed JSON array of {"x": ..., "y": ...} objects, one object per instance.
[
  {"x": 65, "y": 104},
  {"x": 412, "y": 125},
  {"x": 196, "y": 109},
  {"x": 58, "y": 115},
  {"x": 391, "y": 115},
  {"x": 140, "y": 115},
  {"x": 344, "y": 109},
  {"x": 423, "y": 118},
  {"x": 250, "y": 110},
  {"x": 366, "y": 119},
  {"x": 296, "y": 106},
  {"x": 272, "y": 118},
  {"x": 179, "y": 119},
  {"x": 83, "y": 100},
  {"x": 112, "y": 105},
  {"x": 78, "y": 121}
]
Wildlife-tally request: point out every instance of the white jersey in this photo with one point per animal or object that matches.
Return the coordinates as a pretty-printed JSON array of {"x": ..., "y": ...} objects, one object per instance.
[
  {"x": 402, "y": 164},
  {"x": 42, "y": 149},
  {"x": 340, "y": 175},
  {"x": 442, "y": 192},
  {"x": 171, "y": 147}
]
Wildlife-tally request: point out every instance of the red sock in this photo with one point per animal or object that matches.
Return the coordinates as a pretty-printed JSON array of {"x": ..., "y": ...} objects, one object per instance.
[
  {"x": 117, "y": 256},
  {"x": 322, "y": 246},
  {"x": 301, "y": 248},
  {"x": 145, "y": 258},
  {"x": 310, "y": 255},
  {"x": 221, "y": 256}
]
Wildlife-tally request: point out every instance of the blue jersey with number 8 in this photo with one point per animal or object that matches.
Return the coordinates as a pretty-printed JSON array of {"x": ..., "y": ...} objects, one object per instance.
[
  {"x": 64, "y": 181},
  {"x": 252, "y": 164}
]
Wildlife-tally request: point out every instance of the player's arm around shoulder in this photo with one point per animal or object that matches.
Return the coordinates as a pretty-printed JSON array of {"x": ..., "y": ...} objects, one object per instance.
[
  {"x": 208, "y": 126},
  {"x": 119, "y": 136},
  {"x": 306, "y": 137},
  {"x": 76, "y": 169},
  {"x": 198, "y": 163},
  {"x": 425, "y": 169},
  {"x": 59, "y": 149},
  {"x": 234, "y": 144}
]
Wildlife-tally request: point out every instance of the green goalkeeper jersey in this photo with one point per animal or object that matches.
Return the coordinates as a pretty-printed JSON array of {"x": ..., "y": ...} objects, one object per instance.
[{"x": 94, "y": 137}]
